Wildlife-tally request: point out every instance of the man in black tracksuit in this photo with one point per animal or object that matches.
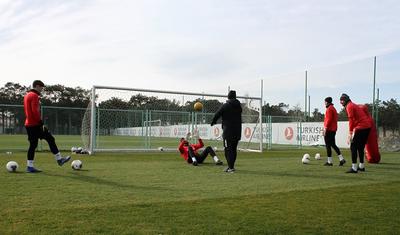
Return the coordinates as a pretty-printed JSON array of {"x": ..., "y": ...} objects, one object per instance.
[{"x": 231, "y": 113}]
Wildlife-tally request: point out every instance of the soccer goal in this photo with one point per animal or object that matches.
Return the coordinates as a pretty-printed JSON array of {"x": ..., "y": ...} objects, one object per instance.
[{"x": 129, "y": 119}]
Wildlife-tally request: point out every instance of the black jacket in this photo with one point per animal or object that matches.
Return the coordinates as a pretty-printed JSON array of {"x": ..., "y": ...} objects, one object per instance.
[{"x": 231, "y": 113}]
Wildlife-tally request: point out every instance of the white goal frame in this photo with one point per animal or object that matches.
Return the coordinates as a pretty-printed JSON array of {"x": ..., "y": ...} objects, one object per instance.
[{"x": 93, "y": 132}]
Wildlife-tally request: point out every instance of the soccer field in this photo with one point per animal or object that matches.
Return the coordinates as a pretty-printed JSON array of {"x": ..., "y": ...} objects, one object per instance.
[{"x": 158, "y": 193}]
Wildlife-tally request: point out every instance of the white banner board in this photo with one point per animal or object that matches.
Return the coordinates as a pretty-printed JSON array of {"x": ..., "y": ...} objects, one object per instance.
[{"x": 281, "y": 133}]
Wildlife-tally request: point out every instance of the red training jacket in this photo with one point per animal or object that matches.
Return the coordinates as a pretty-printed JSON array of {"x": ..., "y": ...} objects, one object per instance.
[
  {"x": 331, "y": 118},
  {"x": 32, "y": 108},
  {"x": 358, "y": 119},
  {"x": 184, "y": 150}
]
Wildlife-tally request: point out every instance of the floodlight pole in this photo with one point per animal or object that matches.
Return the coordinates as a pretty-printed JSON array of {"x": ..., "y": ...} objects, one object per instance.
[
  {"x": 305, "y": 97},
  {"x": 373, "y": 91},
  {"x": 377, "y": 112},
  {"x": 260, "y": 116}
]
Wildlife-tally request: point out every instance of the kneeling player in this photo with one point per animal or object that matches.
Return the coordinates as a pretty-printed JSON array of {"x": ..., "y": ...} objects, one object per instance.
[{"x": 189, "y": 151}]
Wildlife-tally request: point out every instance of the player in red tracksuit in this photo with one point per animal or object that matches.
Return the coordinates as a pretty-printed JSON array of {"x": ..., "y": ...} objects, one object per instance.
[
  {"x": 330, "y": 128},
  {"x": 35, "y": 128},
  {"x": 190, "y": 153},
  {"x": 359, "y": 128}
]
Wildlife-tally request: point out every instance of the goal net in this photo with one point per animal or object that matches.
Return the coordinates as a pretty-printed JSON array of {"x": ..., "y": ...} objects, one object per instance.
[{"x": 124, "y": 119}]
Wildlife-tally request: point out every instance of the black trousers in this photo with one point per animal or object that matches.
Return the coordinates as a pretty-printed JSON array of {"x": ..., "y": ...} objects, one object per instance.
[
  {"x": 34, "y": 134},
  {"x": 358, "y": 144},
  {"x": 331, "y": 143},
  {"x": 201, "y": 156},
  {"x": 231, "y": 151}
]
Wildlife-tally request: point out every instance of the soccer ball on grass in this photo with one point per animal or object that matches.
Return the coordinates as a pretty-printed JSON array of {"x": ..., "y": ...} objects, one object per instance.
[
  {"x": 317, "y": 156},
  {"x": 76, "y": 164},
  {"x": 306, "y": 158},
  {"x": 74, "y": 149},
  {"x": 12, "y": 166}
]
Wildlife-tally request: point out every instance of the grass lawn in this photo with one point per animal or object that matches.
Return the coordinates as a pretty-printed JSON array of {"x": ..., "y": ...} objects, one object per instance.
[{"x": 158, "y": 193}]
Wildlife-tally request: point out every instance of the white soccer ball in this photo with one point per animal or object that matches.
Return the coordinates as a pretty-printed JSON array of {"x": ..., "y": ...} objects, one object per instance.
[
  {"x": 76, "y": 164},
  {"x": 305, "y": 160},
  {"x": 215, "y": 148},
  {"x": 160, "y": 149},
  {"x": 12, "y": 166},
  {"x": 73, "y": 149},
  {"x": 317, "y": 156}
]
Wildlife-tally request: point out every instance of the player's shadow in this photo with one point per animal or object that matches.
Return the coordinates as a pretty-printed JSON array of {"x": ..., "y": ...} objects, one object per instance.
[
  {"x": 343, "y": 176},
  {"x": 209, "y": 164},
  {"x": 386, "y": 163},
  {"x": 104, "y": 182},
  {"x": 387, "y": 166}
]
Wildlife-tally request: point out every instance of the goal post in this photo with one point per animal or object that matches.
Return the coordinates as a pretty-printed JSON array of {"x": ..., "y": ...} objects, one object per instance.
[{"x": 130, "y": 119}]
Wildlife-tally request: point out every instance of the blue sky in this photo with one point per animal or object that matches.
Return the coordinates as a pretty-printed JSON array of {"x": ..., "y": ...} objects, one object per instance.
[{"x": 206, "y": 46}]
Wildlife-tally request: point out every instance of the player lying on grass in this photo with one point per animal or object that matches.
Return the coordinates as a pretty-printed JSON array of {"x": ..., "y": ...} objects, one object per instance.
[{"x": 190, "y": 153}]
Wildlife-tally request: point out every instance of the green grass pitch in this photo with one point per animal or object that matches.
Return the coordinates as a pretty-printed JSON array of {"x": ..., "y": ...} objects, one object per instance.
[{"x": 158, "y": 193}]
